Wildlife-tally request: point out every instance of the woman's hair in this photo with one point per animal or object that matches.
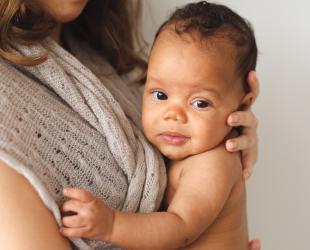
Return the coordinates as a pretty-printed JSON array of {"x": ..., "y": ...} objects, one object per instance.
[
  {"x": 209, "y": 21},
  {"x": 108, "y": 26}
]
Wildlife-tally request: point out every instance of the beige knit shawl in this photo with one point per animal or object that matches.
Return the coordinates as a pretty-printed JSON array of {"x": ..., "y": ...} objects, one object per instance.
[{"x": 64, "y": 123}]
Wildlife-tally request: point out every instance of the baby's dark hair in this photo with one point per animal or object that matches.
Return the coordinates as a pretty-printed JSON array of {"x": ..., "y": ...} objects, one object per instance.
[{"x": 211, "y": 20}]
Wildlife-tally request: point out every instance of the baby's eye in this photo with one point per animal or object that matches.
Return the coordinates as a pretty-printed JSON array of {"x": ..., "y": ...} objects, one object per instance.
[
  {"x": 200, "y": 104},
  {"x": 158, "y": 95}
]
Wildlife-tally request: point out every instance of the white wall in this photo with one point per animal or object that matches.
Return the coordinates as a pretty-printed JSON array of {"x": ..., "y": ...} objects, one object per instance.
[{"x": 279, "y": 191}]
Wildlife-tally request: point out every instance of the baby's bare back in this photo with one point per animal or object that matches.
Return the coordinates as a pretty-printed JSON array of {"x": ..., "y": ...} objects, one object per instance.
[{"x": 229, "y": 229}]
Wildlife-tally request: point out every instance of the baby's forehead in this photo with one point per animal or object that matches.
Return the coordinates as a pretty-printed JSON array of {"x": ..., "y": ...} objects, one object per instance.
[
  {"x": 215, "y": 55},
  {"x": 217, "y": 44}
]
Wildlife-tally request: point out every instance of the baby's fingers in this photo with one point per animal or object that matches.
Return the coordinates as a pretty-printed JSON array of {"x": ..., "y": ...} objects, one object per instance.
[
  {"x": 72, "y": 206},
  {"x": 73, "y": 232},
  {"x": 74, "y": 221},
  {"x": 78, "y": 194}
]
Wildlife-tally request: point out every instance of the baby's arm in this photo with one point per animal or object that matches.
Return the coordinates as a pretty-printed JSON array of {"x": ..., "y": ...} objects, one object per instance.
[{"x": 204, "y": 186}]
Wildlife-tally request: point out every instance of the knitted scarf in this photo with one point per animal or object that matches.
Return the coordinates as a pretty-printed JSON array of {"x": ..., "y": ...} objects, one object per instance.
[{"x": 72, "y": 121}]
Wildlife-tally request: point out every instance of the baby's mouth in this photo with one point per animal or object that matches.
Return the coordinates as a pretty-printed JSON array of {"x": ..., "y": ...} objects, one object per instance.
[{"x": 173, "y": 138}]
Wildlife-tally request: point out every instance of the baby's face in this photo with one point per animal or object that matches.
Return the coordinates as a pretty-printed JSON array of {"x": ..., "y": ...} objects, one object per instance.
[{"x": 189, "y": 93}]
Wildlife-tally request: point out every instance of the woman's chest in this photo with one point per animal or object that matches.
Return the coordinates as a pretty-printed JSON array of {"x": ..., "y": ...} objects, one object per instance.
[{"x": 56, "y": 143}]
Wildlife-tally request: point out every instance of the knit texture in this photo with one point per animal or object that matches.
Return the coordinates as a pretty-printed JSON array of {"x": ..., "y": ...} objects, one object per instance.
[{"x": 73, "y": 122}]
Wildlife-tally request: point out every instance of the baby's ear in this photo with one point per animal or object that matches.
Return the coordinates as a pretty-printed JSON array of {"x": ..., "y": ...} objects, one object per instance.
[{"x": 247, "y": 101}]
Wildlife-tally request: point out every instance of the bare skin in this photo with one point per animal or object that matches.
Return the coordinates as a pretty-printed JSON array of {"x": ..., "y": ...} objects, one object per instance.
[
  {"x": 229, "y": 229},
  {"x": 26, "y": 223}
]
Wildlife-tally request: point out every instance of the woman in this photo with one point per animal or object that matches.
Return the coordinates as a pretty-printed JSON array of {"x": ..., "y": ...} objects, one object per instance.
[{"x": 60, "y": 126}]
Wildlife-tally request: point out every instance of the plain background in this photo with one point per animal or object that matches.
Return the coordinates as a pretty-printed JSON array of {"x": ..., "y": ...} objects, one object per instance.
[{"x": 279, "y": 190}]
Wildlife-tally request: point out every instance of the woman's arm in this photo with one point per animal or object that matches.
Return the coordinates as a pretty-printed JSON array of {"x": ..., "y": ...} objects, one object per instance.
[
  {"x": 26, "y": 223},
  {"x": 247, "y": 142}
]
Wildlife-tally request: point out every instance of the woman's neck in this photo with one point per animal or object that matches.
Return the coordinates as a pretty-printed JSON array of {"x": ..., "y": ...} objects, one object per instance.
[{"x": 55, "y": 34}]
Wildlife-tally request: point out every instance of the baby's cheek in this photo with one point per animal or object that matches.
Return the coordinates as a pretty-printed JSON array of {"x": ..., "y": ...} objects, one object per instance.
[
  {"x": 147, "y": 127},
  {"x": 145, "y": 119},
  {"x": 209, "y": 133}
]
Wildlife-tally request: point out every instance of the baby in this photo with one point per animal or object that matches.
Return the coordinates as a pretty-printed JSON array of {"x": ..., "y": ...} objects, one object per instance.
[{"x": 196, "y": 77}]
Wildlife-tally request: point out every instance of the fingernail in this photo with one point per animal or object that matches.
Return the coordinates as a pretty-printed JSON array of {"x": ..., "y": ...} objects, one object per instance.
[
  {"x": 234, "y": 118},
  {"x": 64, "y": 191},
  {"x": 232, "y": 145},
  {"x": 247, "y": 174}
]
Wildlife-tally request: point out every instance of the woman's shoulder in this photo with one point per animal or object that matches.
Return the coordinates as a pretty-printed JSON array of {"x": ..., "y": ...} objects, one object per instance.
[
  {"x": 7, "y": 70},
  {"x": 19, "y": 88},
  {"x": 11, "y": 76}
]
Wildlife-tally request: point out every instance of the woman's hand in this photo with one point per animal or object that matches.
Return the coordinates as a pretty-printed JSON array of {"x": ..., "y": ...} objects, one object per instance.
[
  {"x": 92, "y": 218},
  {"x": 247, "y": 142},
  {"x": 254, "y": 245}
]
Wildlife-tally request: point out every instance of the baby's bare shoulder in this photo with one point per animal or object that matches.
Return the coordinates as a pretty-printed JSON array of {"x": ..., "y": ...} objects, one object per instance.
[
  {"x": 216, "y": 159},
  {"x": 208, "y": 178}
]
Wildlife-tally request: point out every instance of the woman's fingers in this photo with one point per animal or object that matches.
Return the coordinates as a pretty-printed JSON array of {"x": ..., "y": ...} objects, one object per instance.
[
  {"x": 242, "y": 142},
  {"x": 253, "y": 83},
  {"x": 248, "y": 169},
  {"x": 249, "y": 158},
  {"x": 254, "y": 245},
  {"x": 75, "y": 221},
  {"x": 247, "y": 144},
  {"x": 243, "y": 118},
  {"x": 78, "y": 194}
]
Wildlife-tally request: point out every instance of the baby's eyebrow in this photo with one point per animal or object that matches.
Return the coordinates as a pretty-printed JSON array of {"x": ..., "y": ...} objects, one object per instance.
[
  {"x": 195, "y": 87},
  {"x": 214, "y": 92},
  {"x": 154, "y": 79}
]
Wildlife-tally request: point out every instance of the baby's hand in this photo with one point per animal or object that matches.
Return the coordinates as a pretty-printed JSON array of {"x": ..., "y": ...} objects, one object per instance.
[{"x": 93, "y": 219}]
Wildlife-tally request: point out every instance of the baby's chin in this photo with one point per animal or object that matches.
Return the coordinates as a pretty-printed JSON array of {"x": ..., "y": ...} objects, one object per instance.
[
  {"x": 174, "y": 155},
  {"x": 180, "y": 153}
]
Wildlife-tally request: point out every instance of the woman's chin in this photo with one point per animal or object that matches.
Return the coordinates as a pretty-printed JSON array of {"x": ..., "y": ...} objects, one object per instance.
[
  {"x": 66, "y": 17},
  {"x": 67, "y": 12}
]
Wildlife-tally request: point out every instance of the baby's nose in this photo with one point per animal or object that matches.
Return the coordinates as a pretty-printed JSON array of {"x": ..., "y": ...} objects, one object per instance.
[{"x": 175, "y": 114}]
